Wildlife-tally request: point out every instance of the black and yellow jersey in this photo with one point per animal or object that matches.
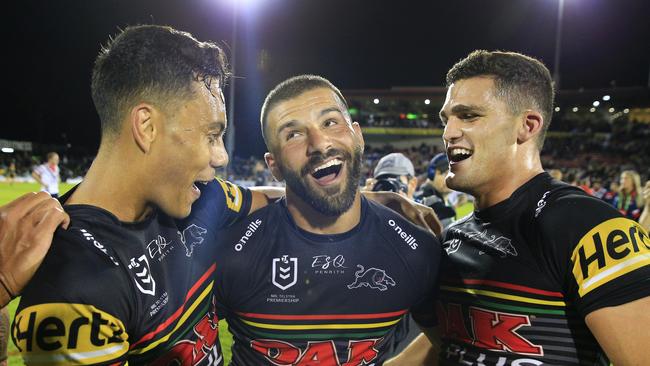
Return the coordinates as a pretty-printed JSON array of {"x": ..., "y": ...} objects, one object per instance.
[
  {"x": 111, "y": 292},
  {"x": 519, "y": 277},
  {"x": 296, "y": 298}
]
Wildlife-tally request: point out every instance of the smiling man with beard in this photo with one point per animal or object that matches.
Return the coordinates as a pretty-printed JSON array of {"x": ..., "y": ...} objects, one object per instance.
[{"x": 322, "y": 276}]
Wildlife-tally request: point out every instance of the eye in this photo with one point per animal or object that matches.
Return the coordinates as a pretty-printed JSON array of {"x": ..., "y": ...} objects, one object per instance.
[
  {"x": 291, "y": 134},
  {"x": 330, "y": 122},
  {"x": 468, "y": 116},
  {"x": 213, "y": 138}
]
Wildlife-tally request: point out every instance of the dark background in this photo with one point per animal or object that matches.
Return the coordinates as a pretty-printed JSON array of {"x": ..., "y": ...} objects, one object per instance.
[{"x": 356, "y": 44}]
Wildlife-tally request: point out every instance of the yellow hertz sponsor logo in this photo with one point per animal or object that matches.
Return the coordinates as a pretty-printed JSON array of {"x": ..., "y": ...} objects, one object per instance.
[
  {"x": 68, "y": 334},
  {"x": 610, "y": 250},
  {"x": 233, "y": 195}
]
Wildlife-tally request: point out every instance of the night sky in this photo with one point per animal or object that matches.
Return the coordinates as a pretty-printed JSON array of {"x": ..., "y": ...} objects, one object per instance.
[{"x": 356, "y": 44}]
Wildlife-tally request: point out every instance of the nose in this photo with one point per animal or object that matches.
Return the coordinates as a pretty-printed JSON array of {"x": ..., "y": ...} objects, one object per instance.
[
  {"x": 452, "y": 131},
  {"x": 218, "y": 156},
  {"x": 318, "y": 141}
]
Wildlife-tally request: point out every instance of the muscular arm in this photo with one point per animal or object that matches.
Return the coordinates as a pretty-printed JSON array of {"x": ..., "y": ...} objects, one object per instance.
[
  {"x": 261, "y": 196},
  {"x": 622, "y": 331}
]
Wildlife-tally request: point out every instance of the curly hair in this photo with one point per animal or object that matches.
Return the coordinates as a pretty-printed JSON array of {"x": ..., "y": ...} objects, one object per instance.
[
  {"x": 520, "y": 81},
  {"x": 152, "y": 63}
]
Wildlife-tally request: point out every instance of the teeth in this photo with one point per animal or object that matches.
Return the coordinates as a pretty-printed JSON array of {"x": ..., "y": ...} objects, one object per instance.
[
  {"x": 459, "y": 151},
  {"x": 328, "y": 164}
]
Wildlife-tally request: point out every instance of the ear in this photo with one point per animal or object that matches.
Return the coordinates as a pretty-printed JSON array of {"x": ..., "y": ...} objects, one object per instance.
[
  {"x": 531, "y": 125},
  {"x": 142, "y": 127},
  {"x": 359, "y": 133},
  {"x": 270, "y": 162}
]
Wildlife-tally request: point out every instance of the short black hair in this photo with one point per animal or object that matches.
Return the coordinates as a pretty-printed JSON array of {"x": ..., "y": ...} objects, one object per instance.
[
  {"x": 292, "y": 88},
  {"x": 151, "y": 63},
  {"x": 520, "y": 81}
]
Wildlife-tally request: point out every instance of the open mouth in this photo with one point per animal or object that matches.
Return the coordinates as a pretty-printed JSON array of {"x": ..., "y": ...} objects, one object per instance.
[
  {"x": 327, "y": 172},
  {"x": 458, "y": 154},
  {"x": 195, "y": 185}
]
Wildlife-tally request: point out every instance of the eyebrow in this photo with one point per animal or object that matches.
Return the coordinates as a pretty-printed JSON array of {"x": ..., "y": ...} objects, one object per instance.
[
  {"x": 219, "y": 126},
  {"x": 293, "y": 122},
  {"x": 462, "y": 108},
  {"x": 328, "y": 110}
]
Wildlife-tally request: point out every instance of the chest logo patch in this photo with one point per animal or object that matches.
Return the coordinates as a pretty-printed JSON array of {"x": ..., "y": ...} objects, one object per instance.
[
  {"x": 191, "y": 236},
  {"x": 285, "y": 272},
  {"x": 143, "y": 279},
  {"x": 374, "y": 278},
  {"x": 501, "y": 244}
]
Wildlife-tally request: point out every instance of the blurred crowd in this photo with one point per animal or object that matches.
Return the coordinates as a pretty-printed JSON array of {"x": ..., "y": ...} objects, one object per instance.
[{"x": 608, "y": 160}]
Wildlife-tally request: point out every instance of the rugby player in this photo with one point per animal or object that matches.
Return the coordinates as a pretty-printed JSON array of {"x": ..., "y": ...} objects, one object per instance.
[
  {"x": 130, "y": 280},
  {"x": 541, "y": 273},
  {"x": 323, "y": 276}
]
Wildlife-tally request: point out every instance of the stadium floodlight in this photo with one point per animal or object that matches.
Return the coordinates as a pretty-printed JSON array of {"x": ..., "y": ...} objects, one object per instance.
[
  {"x": 592, "y": 109},
  {"x": 7, "y": 150},
  {"x": 376, "y": 100},
  {"x": 611, "y": 110},
  {"x": 557, "y": 109},
  {"x": 427, "y": 101},
  {"x": 606, "y": 97},
  {"x": 575, "y": 109},
  {"x": 596, "y": 103},
  {"x": 238, "y": 6},
  {"x": 626, "y": 110}
]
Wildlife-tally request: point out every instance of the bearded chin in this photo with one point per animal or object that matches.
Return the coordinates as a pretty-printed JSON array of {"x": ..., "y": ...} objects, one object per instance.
[{"x": 330, "y": 201}]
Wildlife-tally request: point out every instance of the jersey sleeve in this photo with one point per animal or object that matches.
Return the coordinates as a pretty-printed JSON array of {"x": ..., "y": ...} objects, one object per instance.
[
  {"x": 222, "y": 204},
  {"x": 75, "y": 310},
  {"x": 600, "y": 257}
]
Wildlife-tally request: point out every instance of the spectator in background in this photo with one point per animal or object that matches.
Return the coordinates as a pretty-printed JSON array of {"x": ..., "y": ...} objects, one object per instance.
[
  {"x": 585, "y": 185},
  {"x": 47, "y": 175},
  {"x": 629, "y": 200},
  {"x": 598, "y": 189},
  {"x": 611, "y": 194},
  {"x": 644, "y": 220},
  {"x": 395, "y": 173},
  {"x": 434, "y": 191},
  {"x": 556, "y": 174},
  {"x": 11, "y": 172}
]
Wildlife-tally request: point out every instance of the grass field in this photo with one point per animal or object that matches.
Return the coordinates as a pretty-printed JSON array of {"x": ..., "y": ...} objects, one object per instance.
[{"x": 10, "y": 192}]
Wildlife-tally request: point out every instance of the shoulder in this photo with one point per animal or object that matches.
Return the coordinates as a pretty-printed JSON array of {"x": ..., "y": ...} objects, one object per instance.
[
  {"x": 563, "y": 207},
  {"x": 79, "y": 301},
  {"x": 221, "y": 203},
  {"x": 75, "y": 267},
  {"x": 396, "y": 228}
]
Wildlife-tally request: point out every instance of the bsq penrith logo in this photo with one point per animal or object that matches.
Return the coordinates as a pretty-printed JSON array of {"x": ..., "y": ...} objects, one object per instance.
[{"x": 285, "y": 272}]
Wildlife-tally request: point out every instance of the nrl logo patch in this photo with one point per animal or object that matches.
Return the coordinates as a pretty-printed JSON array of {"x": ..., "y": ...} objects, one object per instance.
[{"x": 285, "y": 272}]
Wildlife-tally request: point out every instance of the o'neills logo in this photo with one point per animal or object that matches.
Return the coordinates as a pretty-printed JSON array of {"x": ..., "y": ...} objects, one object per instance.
[
  {"x": 408, "y": 238},
  {"x": 252, "y": 227}
]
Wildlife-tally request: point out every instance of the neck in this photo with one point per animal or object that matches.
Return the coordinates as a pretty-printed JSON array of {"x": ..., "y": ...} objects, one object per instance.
[
  {"x": 308, "y": 219},
  {"x": 114, "y": 183},
  {"x": 505, "y": 184}
]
